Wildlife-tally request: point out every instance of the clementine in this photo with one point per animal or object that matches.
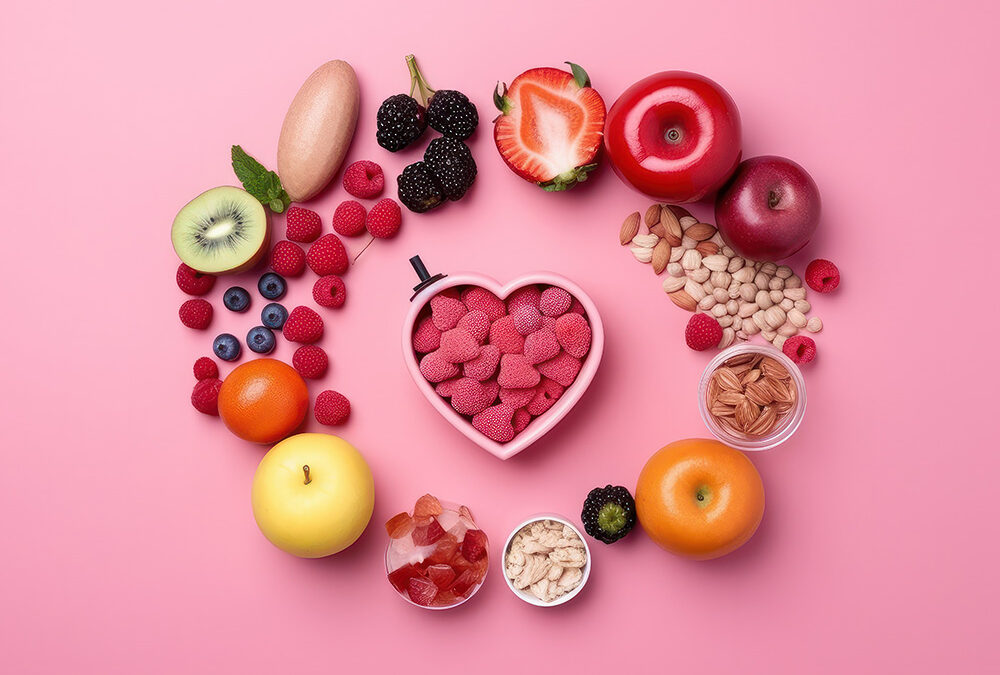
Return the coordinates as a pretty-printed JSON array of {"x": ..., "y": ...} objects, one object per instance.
[
  {"x": 699, "y": 498},
  {"x": 263, "y": 400}
]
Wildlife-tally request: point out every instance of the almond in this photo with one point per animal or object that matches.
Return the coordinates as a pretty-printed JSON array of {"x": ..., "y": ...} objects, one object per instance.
[
  {"x": 672, "y": 225},
  {"x": 672, "y": 284},
  {"x": 681, "y": 298},
  {"x": 652, "y": 216},
  {"x": 658, "y": 230},
  {"x": 630, "y": 228},
  {"x": 727, "y": 379},
  {"x": 645, "y": 240},
  {"x": 731, "y": 397},
  {"x": 708, "y": 248},
  {"x": 661, "y": 256},
  {"x": 642, "y": 253},
  {"x": 746, "y": 413},
  {"x": 700, "y": 231},
  {"x": 716, "y": 263}
]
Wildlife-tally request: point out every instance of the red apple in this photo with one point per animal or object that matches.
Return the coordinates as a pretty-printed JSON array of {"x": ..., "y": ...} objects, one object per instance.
[
  {"x": 674, "y": 136},
  {"x": 769, "y": 209}
]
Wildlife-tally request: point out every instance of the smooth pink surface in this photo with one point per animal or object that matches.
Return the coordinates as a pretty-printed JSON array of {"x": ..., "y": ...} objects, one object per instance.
[
  {"x": 540, "y": 425},
  {"x": 129, "y": 544}
]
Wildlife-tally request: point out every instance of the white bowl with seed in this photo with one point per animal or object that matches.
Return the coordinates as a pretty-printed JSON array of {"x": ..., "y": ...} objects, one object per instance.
[
  {"x": 551, "y": 548},
  {"x": 752, "y": 397}
]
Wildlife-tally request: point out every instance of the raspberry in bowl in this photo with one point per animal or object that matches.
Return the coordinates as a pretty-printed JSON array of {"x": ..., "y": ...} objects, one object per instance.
[{"x": 437, "y": 557}]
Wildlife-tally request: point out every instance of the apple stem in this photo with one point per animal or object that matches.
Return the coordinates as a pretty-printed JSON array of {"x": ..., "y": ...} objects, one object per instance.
[
  {"x": 772, "y": 199},
  {"x": 305, "y": 469}
]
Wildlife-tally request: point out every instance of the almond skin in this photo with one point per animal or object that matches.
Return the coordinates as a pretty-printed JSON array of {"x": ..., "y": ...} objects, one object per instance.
[
  {"x": 661, "y": 256},
  {"x": 630, "y": 228}
]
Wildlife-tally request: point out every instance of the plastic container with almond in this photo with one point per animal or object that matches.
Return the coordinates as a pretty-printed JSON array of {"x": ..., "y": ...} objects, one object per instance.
[
  {"x": 752, "y": 397},
  {"x": 437, "y": 557}
]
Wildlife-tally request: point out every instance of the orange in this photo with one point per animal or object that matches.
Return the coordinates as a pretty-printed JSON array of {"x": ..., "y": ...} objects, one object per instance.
[
  {"x": 699, "y": 498},
  {"x": 263, "y": 400}
]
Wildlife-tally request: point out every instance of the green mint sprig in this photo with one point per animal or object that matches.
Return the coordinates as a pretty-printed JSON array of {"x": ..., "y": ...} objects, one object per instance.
[{"x": 259, "y": 182}]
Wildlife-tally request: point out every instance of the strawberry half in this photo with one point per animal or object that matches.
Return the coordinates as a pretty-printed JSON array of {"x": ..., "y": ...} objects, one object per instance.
[{"x": 551, "y": 126}]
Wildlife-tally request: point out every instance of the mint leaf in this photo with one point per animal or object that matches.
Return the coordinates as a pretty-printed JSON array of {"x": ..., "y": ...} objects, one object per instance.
[{"x": 264, "y": 185}]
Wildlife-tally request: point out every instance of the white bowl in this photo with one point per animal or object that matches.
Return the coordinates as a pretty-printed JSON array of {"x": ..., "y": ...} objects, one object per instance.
[{"x": 525, "y": 595}]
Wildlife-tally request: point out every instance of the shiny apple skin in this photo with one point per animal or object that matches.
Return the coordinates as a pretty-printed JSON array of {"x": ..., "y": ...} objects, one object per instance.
[
  {"x": 769, "y": 210},
  {"x": 691, "y": 168}
]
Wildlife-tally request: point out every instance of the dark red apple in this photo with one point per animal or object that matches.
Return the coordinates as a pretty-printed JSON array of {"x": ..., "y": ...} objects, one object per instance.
[
  {"x": 674, "y": 136},
  {"x": 769, "y": 209}
]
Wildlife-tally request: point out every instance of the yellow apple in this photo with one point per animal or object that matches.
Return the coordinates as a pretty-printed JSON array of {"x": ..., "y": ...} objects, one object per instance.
[{"x": 313, "y": 495}]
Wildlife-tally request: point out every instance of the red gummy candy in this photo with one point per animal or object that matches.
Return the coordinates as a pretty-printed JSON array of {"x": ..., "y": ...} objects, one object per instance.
[
  {"x": 464, "y": 583},
  {"x": 474, "y": 545},
  {"x": 446, "y": 550},
  {"x": 425, "y": 535},
  {"x": 427, "y": 506},
  {"x": 400, "y": 578},
  {"x": 421, "y": 591},
  {"x": 442, "y": 575},
  {"x": 399, "y": 525}
]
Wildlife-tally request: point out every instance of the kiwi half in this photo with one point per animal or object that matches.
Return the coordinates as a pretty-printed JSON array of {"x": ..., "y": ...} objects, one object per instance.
[{"x": 222, "y": 230}]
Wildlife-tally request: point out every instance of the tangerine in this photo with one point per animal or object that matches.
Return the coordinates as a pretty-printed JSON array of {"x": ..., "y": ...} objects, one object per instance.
[
  {"x": 699, "y": 498},
  {"x": 263, "y": 401}
]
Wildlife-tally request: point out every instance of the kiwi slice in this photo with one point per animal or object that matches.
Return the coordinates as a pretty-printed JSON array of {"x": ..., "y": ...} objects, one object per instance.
[{"x": 222, "y": 230}]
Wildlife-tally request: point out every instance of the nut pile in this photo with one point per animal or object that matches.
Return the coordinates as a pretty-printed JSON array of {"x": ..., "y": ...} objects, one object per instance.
[
  {"x": 745, "y": 296},
  {"x": 546, "y": 559},
  {"x": 750, "y": 394}
]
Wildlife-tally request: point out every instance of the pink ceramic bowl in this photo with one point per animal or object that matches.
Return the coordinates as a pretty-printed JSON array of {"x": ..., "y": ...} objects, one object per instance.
[{"x": 540, "y": 425}]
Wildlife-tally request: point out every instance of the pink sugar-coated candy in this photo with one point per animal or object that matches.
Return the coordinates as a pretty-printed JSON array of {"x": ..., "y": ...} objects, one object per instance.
[
  {"x": 528, "y": 295},
  {"x": 574, "y": 334},
  {"x": 470, "y": 396},
  {"x": 546, "y": 394},
  {"x": 527, "y": 319},
  {"x": 476, "y": 323},
  {"x": 549, "y": 322},
  {"x": 517, "y": 398},
  {"x": 504, "y": 335},
  {"x": 446, "y": 311},
  {"x": 555, "y": 301},
  {"x": 426, "y": 338},
  {"x": 492, "y": 389},
  {"x": 434, "y": 368},
  {"x": 520, "y": 420},
  {"x": 517, "y": 373},
  {"x": 457, "y": 346},
  {"x": 446, "y": 388},
  {"x": 541, "y": 345},
  {"x": 475, "y": 297},
  {"x": 577, "y": 307},
  {"x": 495, "y": 423},
  {"x": 485, "y": 365},
  {"x": 563, "y": 368}
]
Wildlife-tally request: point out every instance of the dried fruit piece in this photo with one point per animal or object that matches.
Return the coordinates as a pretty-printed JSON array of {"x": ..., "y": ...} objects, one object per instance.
[
  {"x": 442, "y": 575},
  {"x": 421, "y": 591},
  {"x": 425, "y": 535},
  {"x": 399, "y": 525},
  {"x": 425, "y": 508},
  {"x": 474, "y": 545}
]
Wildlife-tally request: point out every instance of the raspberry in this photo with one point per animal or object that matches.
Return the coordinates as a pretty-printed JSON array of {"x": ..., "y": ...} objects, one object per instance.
[
  {"x": 196, "y": 313},
  {"x": 457, "y": 346},
  {"x": 496, "y": 422},
  {"x": 483, "y": 366},
  {"x": 555, "y": 301},
  {"x": 349, "y": 218},
  {"x": 329, "y": 291},
  {"x": 205, "y": 396},
  {"x": 328, "y": 256},
  {"x": 331, "y": 408},
  {"x": 516, "y": 372},
  {"x": 799, "y": 348},
  {"x": 563, "y": 368},
  {"x": 384, "y": 219},
  {"x": 193, "y": 282},
  {"x": 205, "y": 369},
  {"x": 364, "y": 179},
  {"x": 310, "y": 361},
  {"x": 288, "y": 259},
  {"x": 302, "y": 225},
  {"x": 822, "y": 275},
  {"x": 426, "y": 337},
  {"x": 702, "y": 332},
  {"x": 303, "y": 325},
  {"x": 574, "y": 334}
]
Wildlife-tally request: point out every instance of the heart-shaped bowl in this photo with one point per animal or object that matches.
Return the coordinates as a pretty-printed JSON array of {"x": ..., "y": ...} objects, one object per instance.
[{"x": 540, "y": 425}]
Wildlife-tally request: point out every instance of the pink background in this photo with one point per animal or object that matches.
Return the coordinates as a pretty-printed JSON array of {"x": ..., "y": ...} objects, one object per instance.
[{"x": 129, "y": 545}]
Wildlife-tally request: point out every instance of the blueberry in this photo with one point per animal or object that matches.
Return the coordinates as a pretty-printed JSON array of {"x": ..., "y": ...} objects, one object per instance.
[
  {"x": 271, "y": 286},
  {"x": 236, "y": 299},
  {"x": 260, "y": 340},
  {"x": 227, "y": 347},
  {"x": 274, "y": 315}
]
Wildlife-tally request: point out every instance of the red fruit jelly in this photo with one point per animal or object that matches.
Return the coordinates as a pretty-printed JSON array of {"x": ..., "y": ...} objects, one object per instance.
[{"x": 436, "y": 557}]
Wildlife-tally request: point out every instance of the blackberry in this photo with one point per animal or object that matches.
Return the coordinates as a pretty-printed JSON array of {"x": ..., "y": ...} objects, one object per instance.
[
  {"x": 419, "y": 190},
  {"x": 451, "y": 162},
  {"x": 452, "y": 113},
  {"x": 609, "y": 513},
  {"x": 400, "y": 121}
]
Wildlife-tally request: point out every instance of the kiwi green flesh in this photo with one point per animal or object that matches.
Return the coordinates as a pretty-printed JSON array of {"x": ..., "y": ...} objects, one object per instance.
[{"x": 222, "y": 230}]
